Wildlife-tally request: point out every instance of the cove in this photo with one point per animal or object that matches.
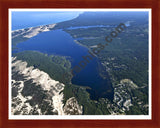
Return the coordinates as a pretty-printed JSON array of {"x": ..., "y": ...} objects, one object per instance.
[{"x": 58, "y": 42}]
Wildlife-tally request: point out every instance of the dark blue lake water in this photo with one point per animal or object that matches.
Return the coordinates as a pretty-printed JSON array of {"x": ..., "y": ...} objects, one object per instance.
[{"x": 58, "y": 42}]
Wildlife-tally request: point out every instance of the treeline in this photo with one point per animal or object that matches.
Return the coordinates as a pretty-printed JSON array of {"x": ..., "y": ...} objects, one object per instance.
[{"x": 55, "y": 66}]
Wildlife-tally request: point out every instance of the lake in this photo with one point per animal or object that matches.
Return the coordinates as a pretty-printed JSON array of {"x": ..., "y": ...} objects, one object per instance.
[{"x": 58, "y": 42}]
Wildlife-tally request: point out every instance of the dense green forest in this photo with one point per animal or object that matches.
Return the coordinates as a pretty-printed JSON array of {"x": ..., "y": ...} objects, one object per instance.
[{"x": 55, "y": 66}]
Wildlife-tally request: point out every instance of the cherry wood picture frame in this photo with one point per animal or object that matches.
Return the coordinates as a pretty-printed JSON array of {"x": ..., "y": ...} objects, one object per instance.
[{"x": 5, "y": 5}]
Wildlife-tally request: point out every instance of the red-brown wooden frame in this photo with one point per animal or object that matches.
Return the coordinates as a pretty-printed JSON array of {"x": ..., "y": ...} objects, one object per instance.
[{"x": 4, "y": 41}]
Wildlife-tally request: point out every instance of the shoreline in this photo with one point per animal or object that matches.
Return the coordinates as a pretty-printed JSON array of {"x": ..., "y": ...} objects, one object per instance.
[
  {"x": 89, "y": 50},
  {"x": 32, "y": 27}
]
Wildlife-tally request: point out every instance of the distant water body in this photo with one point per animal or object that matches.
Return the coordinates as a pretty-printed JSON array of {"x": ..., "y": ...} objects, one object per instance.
[
  {"x": 28, "y": 19},
  {"x": 96, "y": 26}
]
